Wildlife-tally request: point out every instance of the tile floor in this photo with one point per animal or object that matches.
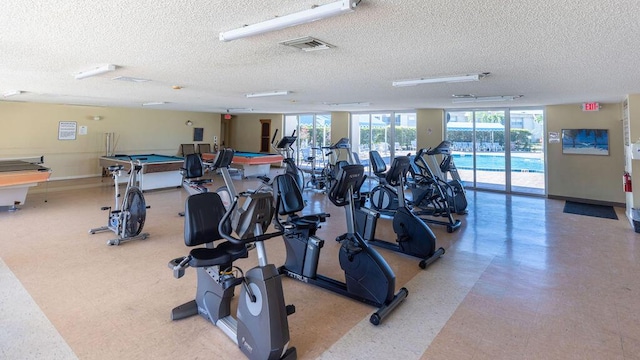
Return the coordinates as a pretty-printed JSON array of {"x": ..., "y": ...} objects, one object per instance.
[{"x": 519, "y": 280}]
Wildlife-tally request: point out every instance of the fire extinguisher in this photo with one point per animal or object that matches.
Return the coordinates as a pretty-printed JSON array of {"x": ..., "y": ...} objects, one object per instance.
[{"x": 626, "y": 182}]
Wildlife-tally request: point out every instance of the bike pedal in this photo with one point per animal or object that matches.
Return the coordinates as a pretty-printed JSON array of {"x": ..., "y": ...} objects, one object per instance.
[
  {"x": 291, "y": 309},
  {"x": 231, "y": 282}
]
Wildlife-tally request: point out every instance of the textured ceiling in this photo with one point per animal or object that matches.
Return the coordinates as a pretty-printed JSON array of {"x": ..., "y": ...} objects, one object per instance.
[{"x": 552, "y": 52}]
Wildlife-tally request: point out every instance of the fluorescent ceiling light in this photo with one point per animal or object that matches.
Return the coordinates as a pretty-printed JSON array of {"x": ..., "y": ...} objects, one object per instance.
[
  {"x": 471, "y": 99},
  {"x": 348, "y": 104},
  {"x": 446, "y": 79},
  {"x": 95, "y": 71},
  {"x": 12, "y": 93},
  {"x": 281, "y": 22},
  {"x": 130, "y": 79},
  {"x": 239, "y": 110},
  {"x": 154, "y": 103},
  {"x": 268, "y": 93}
]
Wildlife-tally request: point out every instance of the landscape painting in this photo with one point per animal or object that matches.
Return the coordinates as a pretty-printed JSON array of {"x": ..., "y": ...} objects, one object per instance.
[{"x": 585, "y": 141}]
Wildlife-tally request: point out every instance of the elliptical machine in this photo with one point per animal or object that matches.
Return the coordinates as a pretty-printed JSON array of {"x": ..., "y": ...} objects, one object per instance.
[
  {"x": 285, "y": 148},
  {"x": 415, "y": 238},
  {"x": 433, "y": 196},
  {"x": 260, "y": 328},
  {"x": 368, "y": 277},
  {"x": 448, "y": 166}
]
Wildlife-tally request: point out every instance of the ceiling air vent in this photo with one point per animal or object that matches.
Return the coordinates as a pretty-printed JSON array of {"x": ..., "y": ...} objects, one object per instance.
[{"x": 307, "y": 43}]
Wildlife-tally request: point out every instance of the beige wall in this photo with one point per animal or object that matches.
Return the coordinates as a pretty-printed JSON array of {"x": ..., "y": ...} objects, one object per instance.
[
  {"x": 586, "y": 176},
  {"x": 245, "y": 131},
  {"x": 31, "y": 129},
  {"x": 340, "y": 129},
  {"x": 429, "y": 127}
]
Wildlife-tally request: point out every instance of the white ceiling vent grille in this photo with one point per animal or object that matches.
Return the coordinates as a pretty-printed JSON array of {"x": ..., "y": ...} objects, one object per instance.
[{"x": 307, "y": 43}]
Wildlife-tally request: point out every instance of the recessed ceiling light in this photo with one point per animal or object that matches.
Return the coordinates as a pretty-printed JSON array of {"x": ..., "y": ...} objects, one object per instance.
[{"x": 154, "y": 103}]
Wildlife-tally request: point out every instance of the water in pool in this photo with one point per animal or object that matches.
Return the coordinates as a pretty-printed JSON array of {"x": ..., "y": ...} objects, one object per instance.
[{"x": 496, "y": 162}]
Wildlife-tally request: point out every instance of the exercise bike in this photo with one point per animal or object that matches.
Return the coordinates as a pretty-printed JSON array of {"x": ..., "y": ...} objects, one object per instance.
[
  {"x": 260, "y": 328},
  {"x": 414, "y": 237},
  {"x": 126, "y": 219},
  {"x": 368, "y": 277},
  {"x": 383, "y": 197},
  {"x": 222, "y": 163},
  {"x": 192, "y": 171}
]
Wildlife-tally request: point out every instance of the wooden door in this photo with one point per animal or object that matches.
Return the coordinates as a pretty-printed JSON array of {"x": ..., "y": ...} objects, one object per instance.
[{"x": 265, "y": 139}]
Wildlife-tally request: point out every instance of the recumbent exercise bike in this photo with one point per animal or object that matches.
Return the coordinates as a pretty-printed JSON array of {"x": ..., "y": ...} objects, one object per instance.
[
  {"x": 368, "y": 277},
  {"x": 260, "y": 328}
]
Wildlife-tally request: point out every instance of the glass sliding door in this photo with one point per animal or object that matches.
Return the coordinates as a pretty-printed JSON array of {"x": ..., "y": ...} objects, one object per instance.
[
  {"x": 488, "y": 158},
  {"x": 527, "y": 151},
  {"x": 361, "y": 138},
  {"x": 489, "y": 150},
  {"x": 405, "y": 134},
  {"x": 391, "y": 134},
  {"x": 460, "y": 132},
  {"x": 313, "y": 132}
]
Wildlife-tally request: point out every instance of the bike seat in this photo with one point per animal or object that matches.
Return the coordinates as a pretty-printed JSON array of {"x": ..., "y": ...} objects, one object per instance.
[
  {"x": 113, "y": 168},
  {"x": 307, "y": 221},
  {"x": 203, "y": 257},
  {"x": 236, "y": 251},
  {"x": 198, "y": 182}
]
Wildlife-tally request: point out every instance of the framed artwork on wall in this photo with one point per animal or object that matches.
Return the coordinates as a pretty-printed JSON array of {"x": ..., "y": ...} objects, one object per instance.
[
  {"x": 198, "y": 134},
  {"x": 585, "y": 141}
]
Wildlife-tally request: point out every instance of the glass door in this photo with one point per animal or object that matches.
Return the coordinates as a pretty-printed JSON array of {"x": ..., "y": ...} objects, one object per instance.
[
  {"x": 313, "y": 132},
  {"x": 488, "y": 150},
  {"x": 527, "y": 151},
  {"x": 391, "y": 134},
  {"x": 487, "y": 158}
]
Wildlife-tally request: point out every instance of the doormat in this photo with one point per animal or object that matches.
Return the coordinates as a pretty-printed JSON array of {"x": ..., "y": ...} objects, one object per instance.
[{"x": 601, "y": 211}]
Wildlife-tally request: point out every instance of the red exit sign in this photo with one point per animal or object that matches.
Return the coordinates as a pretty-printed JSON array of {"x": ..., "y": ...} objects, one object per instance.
[{"x": 592, "y": 106}]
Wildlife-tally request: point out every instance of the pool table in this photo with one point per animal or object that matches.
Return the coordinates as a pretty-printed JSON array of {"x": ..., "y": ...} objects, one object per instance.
[
  {"x": 158, "y": 171},
  {"x": 16, "y": 177},
  {"x": 252, "y": 164}
]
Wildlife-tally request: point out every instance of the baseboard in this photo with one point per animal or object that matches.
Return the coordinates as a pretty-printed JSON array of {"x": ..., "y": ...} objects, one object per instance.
[
  {"x": 587, "y": 201},
  {"x": 71, "y": 183}
]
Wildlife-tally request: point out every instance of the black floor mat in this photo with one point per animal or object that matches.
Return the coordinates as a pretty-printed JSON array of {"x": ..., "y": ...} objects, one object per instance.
[{"x": 601, "y": 211}]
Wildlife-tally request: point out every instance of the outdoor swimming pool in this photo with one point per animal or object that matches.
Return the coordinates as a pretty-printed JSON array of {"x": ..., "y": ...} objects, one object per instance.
[{"x": 496, "y": 163}]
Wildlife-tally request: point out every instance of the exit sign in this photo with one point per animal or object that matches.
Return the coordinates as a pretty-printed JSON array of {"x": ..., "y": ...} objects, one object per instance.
[{"x": 592, "y": 106}]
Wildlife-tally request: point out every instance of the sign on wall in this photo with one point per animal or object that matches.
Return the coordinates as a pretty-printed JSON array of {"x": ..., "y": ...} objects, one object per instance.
[{"x": 67, "y": 130}]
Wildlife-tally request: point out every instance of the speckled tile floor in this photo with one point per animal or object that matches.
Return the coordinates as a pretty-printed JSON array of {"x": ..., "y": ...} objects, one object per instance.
[{"x": 519, "y": 280}]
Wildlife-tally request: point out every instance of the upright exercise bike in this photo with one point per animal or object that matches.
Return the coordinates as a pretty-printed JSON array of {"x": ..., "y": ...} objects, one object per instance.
[
  {"x": 126, "y": 219},
  {"x": 368, "y": 277},
  {"x": 414, "y": 237},
  {"x": 260, "y": 328}
]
